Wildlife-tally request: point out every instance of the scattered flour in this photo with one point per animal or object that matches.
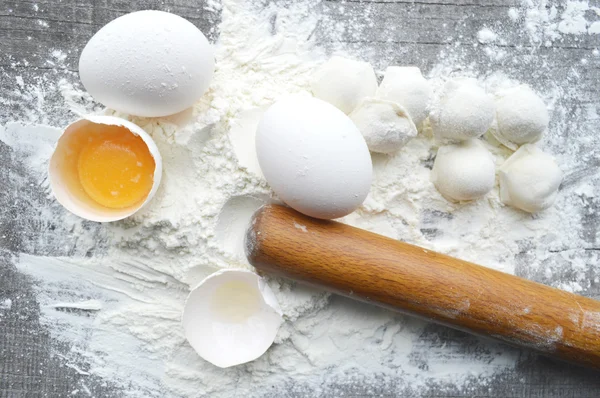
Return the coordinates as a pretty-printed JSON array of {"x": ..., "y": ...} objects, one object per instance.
[
  {"x": 572, "y": 20},
  {"x": 58, "y": 55},
  {"x": 594, "y": 28},
  {"x": 546, "y": 22},
  {"x": 6, "y": 304},
  {"x": 133, "y": 287},
  {"x": 486, "y": 35},
  {"x": 88, "y": 305},
  {"x": 513, "y": 14}
]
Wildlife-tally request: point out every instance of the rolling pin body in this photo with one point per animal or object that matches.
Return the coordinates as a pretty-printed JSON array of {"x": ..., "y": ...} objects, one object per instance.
[{"x": 456, "y": 293}]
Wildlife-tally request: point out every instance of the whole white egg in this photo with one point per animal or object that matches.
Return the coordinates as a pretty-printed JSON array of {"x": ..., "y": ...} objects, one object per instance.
[
  {"x": 314, "y": 157},
  {"x": 147, "y": 63}
]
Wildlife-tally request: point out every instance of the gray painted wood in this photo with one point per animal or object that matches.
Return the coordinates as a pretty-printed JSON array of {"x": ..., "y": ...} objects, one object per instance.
[{"x": 29, "y": 30}]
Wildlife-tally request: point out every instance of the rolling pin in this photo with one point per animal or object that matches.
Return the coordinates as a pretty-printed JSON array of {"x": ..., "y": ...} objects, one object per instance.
[{"x": 373, "y": 268}]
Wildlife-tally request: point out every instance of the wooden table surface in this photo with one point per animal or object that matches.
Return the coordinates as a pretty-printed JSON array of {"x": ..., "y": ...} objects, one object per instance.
[{"x": 31, "y": 30}]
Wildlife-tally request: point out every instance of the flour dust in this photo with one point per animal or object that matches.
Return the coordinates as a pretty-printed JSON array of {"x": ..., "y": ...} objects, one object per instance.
[{"x": 125, "y": 283}]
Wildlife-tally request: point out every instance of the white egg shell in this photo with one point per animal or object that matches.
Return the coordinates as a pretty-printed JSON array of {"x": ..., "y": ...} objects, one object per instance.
[
  {"x": 71, "y": 196},
  {"x": 407, "y": 86},
  {"x": 231, "y": 317},
  {"x": 521, "y": 117},
  {"x": 314, "y": 157},
  {"x": 529, "y": 179},
  {"x": 386, "y": 125},
  {"x": 463, "y": 171},
  {"x": 344, "y": 82},
  {"x": 242, "y": 136},
  {"x": 464, "y": 111},
  {"x": 147, "y": 63}
]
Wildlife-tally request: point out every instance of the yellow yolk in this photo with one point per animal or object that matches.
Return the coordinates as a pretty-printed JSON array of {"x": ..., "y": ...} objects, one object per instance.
[{"x": 116, "y": 170}]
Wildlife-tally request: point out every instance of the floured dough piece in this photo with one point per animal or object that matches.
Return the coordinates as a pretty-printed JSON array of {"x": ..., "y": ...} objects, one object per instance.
[
  {"x": 464, "y": 111},
  {"x": 386, "y": 126},
  {"x": 521, "y": 117},
  {"x": 344, "y": 82},
  {"x": 407, "y": 86},
  {"x": 463, "y": 171},
  {"x": 529, "y": 179}
]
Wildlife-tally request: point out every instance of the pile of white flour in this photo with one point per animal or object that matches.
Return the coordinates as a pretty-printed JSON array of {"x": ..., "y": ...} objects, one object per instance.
[{"x": 126, "y": 296}]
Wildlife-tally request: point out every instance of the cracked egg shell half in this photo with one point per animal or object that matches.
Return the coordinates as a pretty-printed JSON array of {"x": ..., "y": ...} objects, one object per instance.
[
  {"x": 231, "y": 317},
  {"x": 104, "y": 168}
]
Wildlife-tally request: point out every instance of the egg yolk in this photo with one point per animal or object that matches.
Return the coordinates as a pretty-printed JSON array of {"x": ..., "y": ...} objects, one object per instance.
[{"x": 116, "y": 170}]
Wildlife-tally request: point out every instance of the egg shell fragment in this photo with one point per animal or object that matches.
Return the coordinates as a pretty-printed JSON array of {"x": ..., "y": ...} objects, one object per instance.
[
  {"x": 231, "y": 317},
  {"x": 314, "y": 157},
  {"x": 147, "y": 63},
  {"x": 67, "y": 188},
  {"x": 242, "y": 136}
]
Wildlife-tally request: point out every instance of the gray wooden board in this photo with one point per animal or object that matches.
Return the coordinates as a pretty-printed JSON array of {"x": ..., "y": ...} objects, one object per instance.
[{"x": 30, "y": 362}]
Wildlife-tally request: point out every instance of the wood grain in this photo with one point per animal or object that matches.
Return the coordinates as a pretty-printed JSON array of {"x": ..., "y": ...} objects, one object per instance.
[{"x": 453, "y": 292}]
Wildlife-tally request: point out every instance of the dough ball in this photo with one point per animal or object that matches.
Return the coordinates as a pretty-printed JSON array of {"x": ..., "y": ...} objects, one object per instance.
[
  {"x": 464, "y": 111},
  {"x": 463, "y": 171},
  {"x": 521, "y": 117},
  {"x": 344, "y": 83},
  {"x": 386, "y": 126},
  {"x": 529, "y": 179},
  {"x": 407, "y": 86}
]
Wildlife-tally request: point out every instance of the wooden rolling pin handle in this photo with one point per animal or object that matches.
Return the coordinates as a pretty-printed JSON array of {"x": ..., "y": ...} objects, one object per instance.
[{"x": 456, "y": 293}]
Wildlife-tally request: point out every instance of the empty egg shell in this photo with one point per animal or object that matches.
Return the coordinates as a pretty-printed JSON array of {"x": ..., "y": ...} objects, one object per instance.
[
  {"x": 94, "y": 154},
  {"x": 231, "y": 317}
]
